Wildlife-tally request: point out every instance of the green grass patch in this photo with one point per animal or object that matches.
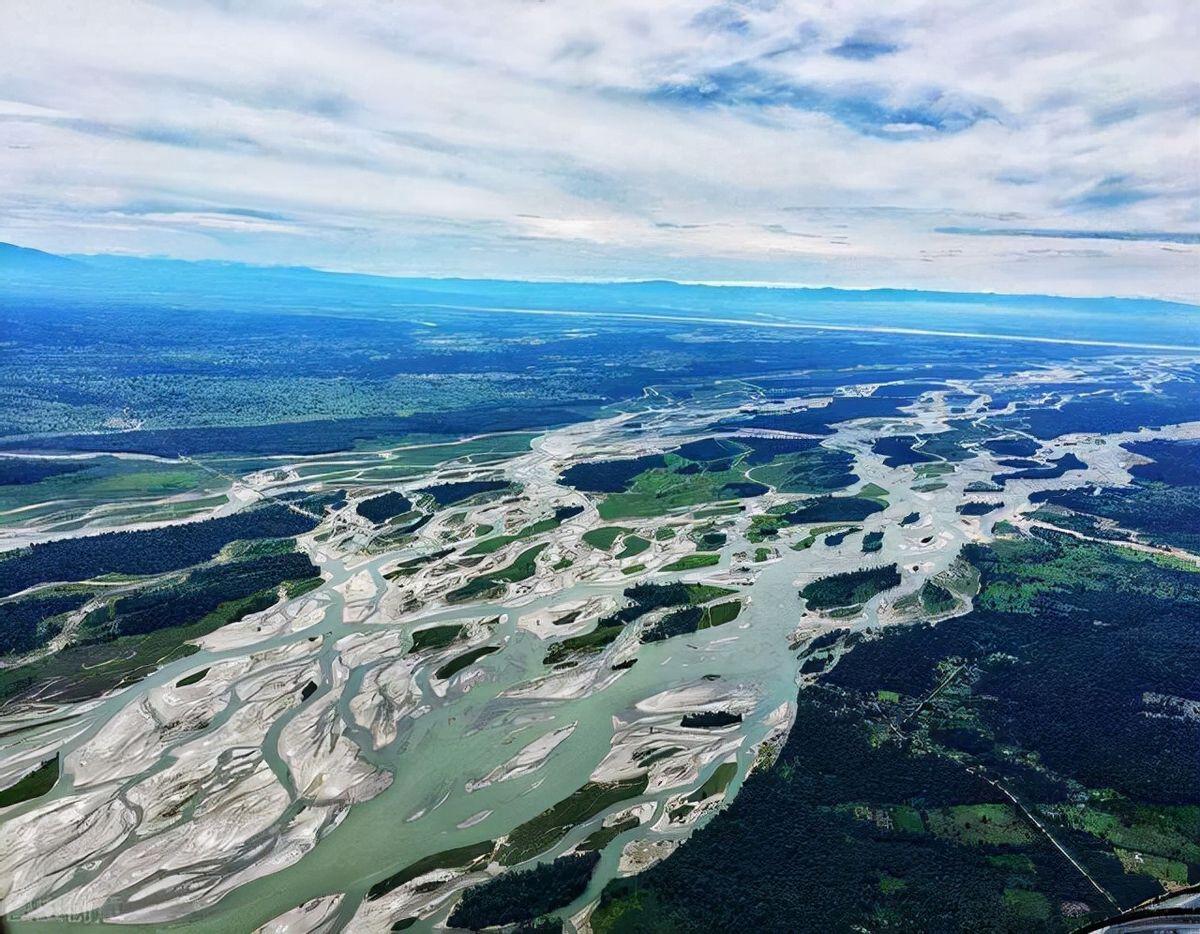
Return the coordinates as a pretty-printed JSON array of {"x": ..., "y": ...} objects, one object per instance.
[
  {"x": 194, "y": 678},
  {"x": 663, "y": 490},
  {"x": 489, "y": 545},
  {"x": 541, "y": 527},
  {"x": 455, "y": 665},
  {"x": 721, "y": 613},
  {"x": 1171, "y": 831},
  {"x": 907, "y": 819},
  {"x": 1026, "y": 904},
  {"x": 507, "y": 445},
  {"x": 729, "y": 510},
  {"x": 627, "y": 911},
  {"x": 604, "y": 537},
  {"x": 692, "y": 562},
  {"x": 889, "y": 885},
  {"x": 980, "y": 825},
  {"x": 435, "y": 637},
  {"x": 106, "y": 480},
  {"x": 819, "y": 470},
  {"x": 1167, "y": 871},
  {"x": 938, "y": 469},
  {"x": 1016, "y": 863},
  {"x": 412, "y": 565},
  {"x": 599, "y": 839},
  {"x": 542, "y": 832},
  {"x": 633, "y": 545},
  {"x": 584, "y": 644},
  {"x": 936, "y": 599},
  {"x": 1025, "y": 568},
  {"x": 763, "y": 526},
  {"x": 449, "y": 859},
  {"x": 492, "y": 584},
  {"x": 256, "y": 548},
  {"x": 33, "y": 785},
  {"x": 715, "y": 784},
  {"x": 703, "y": 593},
  {"x": 293, "y": 589}
]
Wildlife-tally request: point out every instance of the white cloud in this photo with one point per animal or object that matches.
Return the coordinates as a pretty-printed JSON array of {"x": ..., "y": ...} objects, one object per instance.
[{"x": 506, "y": 137}]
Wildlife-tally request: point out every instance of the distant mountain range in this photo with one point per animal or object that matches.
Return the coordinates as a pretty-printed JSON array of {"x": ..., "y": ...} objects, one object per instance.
[
  {"x": 15, "y": 258},
  {"x": 168, "y": 284},
  {"x": 24, "y": 263}
]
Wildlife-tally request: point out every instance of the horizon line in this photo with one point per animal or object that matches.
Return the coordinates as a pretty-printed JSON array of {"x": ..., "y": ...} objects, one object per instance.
[{"x": 781, "y": 285}]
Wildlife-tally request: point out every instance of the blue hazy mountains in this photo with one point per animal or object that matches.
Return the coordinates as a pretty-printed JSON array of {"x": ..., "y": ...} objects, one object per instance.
[
  {"x": 20, "y": 262},
  {"x": 116, "y": 279}
]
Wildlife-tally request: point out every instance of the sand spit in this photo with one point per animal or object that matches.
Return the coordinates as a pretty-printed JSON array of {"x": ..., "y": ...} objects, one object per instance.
[
  {"x": 315, "y": 916},
  {"x": 257, "y": 627},
  {"x": 527, "y": 760},
  {"x": 548, "y": 623}
]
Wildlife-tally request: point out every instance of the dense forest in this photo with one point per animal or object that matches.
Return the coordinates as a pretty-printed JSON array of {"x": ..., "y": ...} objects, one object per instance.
[
  {"x": 675, "y": 623},
  {"x": 383, "y": 507},
  {"x": 323, "y": 436},
  {"x": 1093, "y": 628},
  {"x": 1172, "y": 403},
  {"x": 833, "y": 509},
  {"x": 1013, "y": 447},
  {"x": 817, "y": 421},
  {"x": 898, "y": 451},
  {"x": 888, "y": 807},
  {"x": 850, "y": 587},
  {"x": 18, "y": 471},
  {"x": 24, "y": 623},
  {"x": 611, "y": 476},
  {"x": 976, "y": 508},
  {"x": 710, "y": 449},
  {"x": 447, "y": 494},
  {"x": 1162, "y": 513},
  {"x": 765, "y": 450},
  {"x": 643, "y": 599},
  {"x": 526, "y": 894},
  {"x": 1176, "y": 463},
  {"x": 148, "y": 551},
  {"x": 196, "y": 594},
  {"x": 806, "y": 846},
  {"x": 1162, "y": 503},
  {"x": 1035, "y": 470}
]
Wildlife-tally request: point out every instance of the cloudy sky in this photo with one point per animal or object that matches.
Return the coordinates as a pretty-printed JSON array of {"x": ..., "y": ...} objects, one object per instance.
[{"x": 1022, "y": 146}]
